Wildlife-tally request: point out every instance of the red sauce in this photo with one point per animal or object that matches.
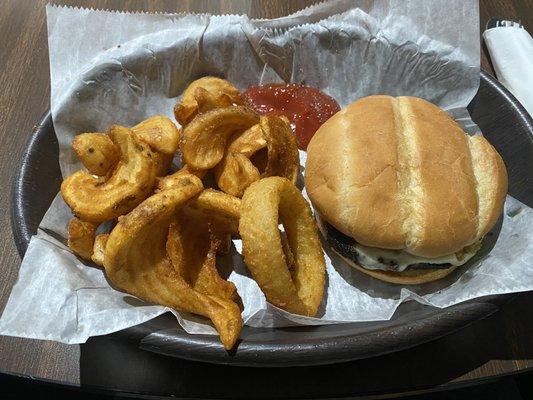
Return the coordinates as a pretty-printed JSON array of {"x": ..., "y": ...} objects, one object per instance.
[{"x": 307, "y": 108}]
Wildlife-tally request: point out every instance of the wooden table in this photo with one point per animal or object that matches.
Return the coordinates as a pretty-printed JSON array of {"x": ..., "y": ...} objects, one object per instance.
[{"x": 501, "y": 344}]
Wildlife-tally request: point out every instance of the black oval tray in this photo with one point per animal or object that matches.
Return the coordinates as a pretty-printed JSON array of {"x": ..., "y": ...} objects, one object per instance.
[{"x": 503, "y": 121}]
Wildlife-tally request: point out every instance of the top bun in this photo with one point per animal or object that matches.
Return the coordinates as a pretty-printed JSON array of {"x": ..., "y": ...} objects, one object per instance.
[{"x": 399, "y": 173}]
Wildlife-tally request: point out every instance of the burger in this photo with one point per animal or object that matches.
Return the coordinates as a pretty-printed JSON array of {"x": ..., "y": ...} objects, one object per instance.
[{"x": 402, "y": 193}]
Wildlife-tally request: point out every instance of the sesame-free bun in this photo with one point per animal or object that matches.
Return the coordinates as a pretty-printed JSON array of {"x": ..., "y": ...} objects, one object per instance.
[{"x": 399, "y": 173}]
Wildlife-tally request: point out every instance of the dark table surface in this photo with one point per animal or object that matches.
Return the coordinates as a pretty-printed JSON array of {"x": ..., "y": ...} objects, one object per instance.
[{"x": 501, "y": 344}]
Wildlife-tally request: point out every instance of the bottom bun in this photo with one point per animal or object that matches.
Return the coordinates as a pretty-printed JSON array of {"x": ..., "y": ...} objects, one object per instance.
[{"x": 408, "y": 277}]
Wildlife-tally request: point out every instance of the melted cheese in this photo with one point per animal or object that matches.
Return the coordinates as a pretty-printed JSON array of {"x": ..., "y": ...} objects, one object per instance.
[{"x": 399, "y": 260}]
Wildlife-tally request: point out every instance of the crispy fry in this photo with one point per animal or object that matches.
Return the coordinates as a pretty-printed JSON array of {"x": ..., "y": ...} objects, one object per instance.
[
  {"x": 204, "y": 139},
  {"x": 99, "y": 249},
  {"x": 214, "y": 93},
  {"x": 192, "y": 248},
  {"x": 221, "y": 209},
  {"x": 81, "y": 237},
  {"x": 96, "y": 152},
  {"x": 174, "y": 179},
  {"x": 283, "y": 158},
  {"x": 264, "y": 203},
  {"x": 162, "y": 163},
  {"x": 136, "y": 261},
  {"x": 160, "y": 133},
  {"x": 248, "y": 142},
  {"x": 101, "y": 199},
  {"x": 208, "y": 101},
  {"x": 236, "y": 172}
]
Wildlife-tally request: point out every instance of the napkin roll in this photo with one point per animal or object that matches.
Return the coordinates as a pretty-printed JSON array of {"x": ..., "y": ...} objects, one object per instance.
[{"x": 511, "y": 52}]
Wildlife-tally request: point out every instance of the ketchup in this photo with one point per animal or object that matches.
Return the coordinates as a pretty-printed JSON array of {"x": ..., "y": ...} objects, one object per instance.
[{"x": 307, "y": 108}]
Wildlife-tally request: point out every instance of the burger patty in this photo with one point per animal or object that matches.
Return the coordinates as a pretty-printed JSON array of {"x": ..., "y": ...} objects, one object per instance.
[{"x": 346, "y": 246}]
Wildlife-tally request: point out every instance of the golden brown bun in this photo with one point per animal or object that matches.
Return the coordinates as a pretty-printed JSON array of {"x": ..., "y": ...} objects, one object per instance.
[
  {"x": 399, "y": 173},
  {"x": 408, "y": 277},
  {"x": 491, "y": 176}
]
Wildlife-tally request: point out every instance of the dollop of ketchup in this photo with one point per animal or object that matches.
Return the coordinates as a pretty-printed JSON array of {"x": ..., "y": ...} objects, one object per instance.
[{"x": 307, "y": 108}]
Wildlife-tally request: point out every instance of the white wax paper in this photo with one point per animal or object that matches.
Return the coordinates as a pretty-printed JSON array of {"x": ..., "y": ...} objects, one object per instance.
[{"x": 115, "y": 67}]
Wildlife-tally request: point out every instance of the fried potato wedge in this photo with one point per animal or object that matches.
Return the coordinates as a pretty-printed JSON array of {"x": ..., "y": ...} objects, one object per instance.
[
  {"x": 96, "y": 152},
  {"x": 236, "y": 172},
  {"x": 208, "y": 101},
  {"x": 81, "y": 237},
  {"x": 162, "y": 163},
  {"x": 160, "y": 133},
  {"x": 100, "y": 242},
  {"x": 162, "y": 136},
  {"x": 297, "y": 288},
  {"x": 192, "y": 248},
  {"x": 214, "y": 93},
  {"x": 174, "y": 179},
  {"x": 136, "y": 261},
  {"x": 220, "y": 209},
  {"x": 203, "y": 142},
  {"x": 248, "y": 142},
  {"x": 100, "y": 199},
  {"x": 283, "y": 157}
]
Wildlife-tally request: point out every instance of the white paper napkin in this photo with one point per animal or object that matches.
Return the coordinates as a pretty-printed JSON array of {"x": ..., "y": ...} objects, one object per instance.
[{"x": 511, "y": 52}]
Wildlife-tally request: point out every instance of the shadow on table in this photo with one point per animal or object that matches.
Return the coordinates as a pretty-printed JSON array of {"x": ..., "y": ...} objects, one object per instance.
[{"x": 112, "y": 362}]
